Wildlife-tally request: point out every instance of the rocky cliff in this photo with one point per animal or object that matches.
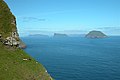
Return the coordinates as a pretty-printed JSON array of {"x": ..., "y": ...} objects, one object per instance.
[
  {"x": 15, "y": 64},
  {"x": 8, "y": 30}
]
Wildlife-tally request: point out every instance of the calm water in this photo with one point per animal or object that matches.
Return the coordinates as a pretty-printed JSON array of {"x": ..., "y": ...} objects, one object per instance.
[{"x": 77, "y": 58}]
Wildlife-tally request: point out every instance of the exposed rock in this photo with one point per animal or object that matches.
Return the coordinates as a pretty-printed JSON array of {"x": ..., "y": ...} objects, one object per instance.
[
  {"x": 0, "y": 36},
  {"x": 8, "y": 30},
  {"x": 25, "y": 59},
  {"x": 15, "y": 35},
  {"x": 22, "y": 45},
  {"x": 11, "y": 59},
  {"x": 13, "y": 22},
  {"x": 11, "y": 41},
  {"x": 95, "y": 34}
]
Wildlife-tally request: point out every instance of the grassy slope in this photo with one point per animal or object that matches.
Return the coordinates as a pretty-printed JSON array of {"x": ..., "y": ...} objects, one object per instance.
[
  {"x": 6, "y": 18},
  {"x": 13, "y": 67}
]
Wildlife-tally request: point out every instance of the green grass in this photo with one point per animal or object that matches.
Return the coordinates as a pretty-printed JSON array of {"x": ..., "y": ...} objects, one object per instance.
[
  {"x": 6, "y": 18},
  {"x": 13, "y": 67}
]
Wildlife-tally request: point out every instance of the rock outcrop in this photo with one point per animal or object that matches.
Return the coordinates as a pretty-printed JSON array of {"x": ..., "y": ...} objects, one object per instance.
[
  {"x": 15, "y": 64},
  {"x": 8, "y": 30},
  {"x": 95, "y": 34}
]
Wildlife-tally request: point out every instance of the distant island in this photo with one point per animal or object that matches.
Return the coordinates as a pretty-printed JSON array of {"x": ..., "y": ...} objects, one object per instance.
[
  {"x": 39, "y": 35},
  {"x": 95, "y": 34},
  {"x": 58, "y": 35}
]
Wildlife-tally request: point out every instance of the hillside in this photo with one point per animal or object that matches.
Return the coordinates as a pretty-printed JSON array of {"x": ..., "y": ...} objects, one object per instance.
[
  {"x": 7, "y": 20},
  {"x": 15, "y": 64}
]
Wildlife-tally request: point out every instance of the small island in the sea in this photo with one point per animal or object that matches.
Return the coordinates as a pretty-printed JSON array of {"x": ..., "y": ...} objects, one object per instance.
[
  {"x": 95, "y": 34},
  {"x": 58, "y": 35},
  {"x": 39, "y": 35}
]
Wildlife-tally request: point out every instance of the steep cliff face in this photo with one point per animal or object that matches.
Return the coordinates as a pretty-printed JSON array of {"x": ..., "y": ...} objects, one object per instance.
[
  {"x": 8, "y": 30},
  {"x": 7, "y": 20},
  {"x": 15, "y": 64}
]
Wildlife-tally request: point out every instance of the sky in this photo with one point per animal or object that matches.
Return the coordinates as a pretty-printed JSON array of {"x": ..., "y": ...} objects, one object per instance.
[{"x": 66, "y": 16}]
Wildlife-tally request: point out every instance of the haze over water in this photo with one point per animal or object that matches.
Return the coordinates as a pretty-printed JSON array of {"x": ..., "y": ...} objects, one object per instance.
[{"x": 77, "y": 58}]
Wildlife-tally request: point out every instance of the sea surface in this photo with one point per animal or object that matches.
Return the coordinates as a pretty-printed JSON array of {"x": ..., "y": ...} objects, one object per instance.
[{"x": 77, "y": 58}]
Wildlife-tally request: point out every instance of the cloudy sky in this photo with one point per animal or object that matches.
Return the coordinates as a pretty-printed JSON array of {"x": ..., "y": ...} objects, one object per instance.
[{"x": 66, "y": 16}]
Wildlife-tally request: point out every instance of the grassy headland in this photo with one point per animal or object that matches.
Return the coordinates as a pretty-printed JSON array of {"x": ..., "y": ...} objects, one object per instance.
[{"x": 15, "y": 64}]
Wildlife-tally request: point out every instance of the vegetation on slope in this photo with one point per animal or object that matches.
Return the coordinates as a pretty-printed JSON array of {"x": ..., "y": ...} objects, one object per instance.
[
  {"x": 95, "y": 34},
  {"x": 6, "y": 19},
  {"x": 15, "y": 64}
]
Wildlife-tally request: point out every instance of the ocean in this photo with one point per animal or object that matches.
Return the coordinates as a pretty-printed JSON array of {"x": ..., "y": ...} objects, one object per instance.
[{"x": 77, "y": 58}]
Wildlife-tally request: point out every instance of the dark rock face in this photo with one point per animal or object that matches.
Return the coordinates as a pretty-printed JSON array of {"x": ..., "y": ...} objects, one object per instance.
[
  {"x": 58, "y": 35},
  {"x": 95, "y": 34},
  {"x": 8, "y": 30}
]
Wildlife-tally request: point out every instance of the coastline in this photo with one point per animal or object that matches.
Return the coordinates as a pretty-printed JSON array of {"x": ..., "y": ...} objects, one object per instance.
[{"x": 16, "y": 64}]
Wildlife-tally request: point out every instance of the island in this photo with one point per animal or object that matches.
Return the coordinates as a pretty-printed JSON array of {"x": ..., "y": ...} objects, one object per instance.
[
  {"x": 39, "y": 35},
  {"x": 15, "y": 64},
  {"x": 95, "y": 34},
  {"x": 59, "y": 35}
]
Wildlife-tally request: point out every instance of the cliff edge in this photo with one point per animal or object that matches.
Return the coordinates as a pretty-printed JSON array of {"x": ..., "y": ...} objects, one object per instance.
[
  {"x": 8, "y": 30},
  {"x": 15, "y": 64}
]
